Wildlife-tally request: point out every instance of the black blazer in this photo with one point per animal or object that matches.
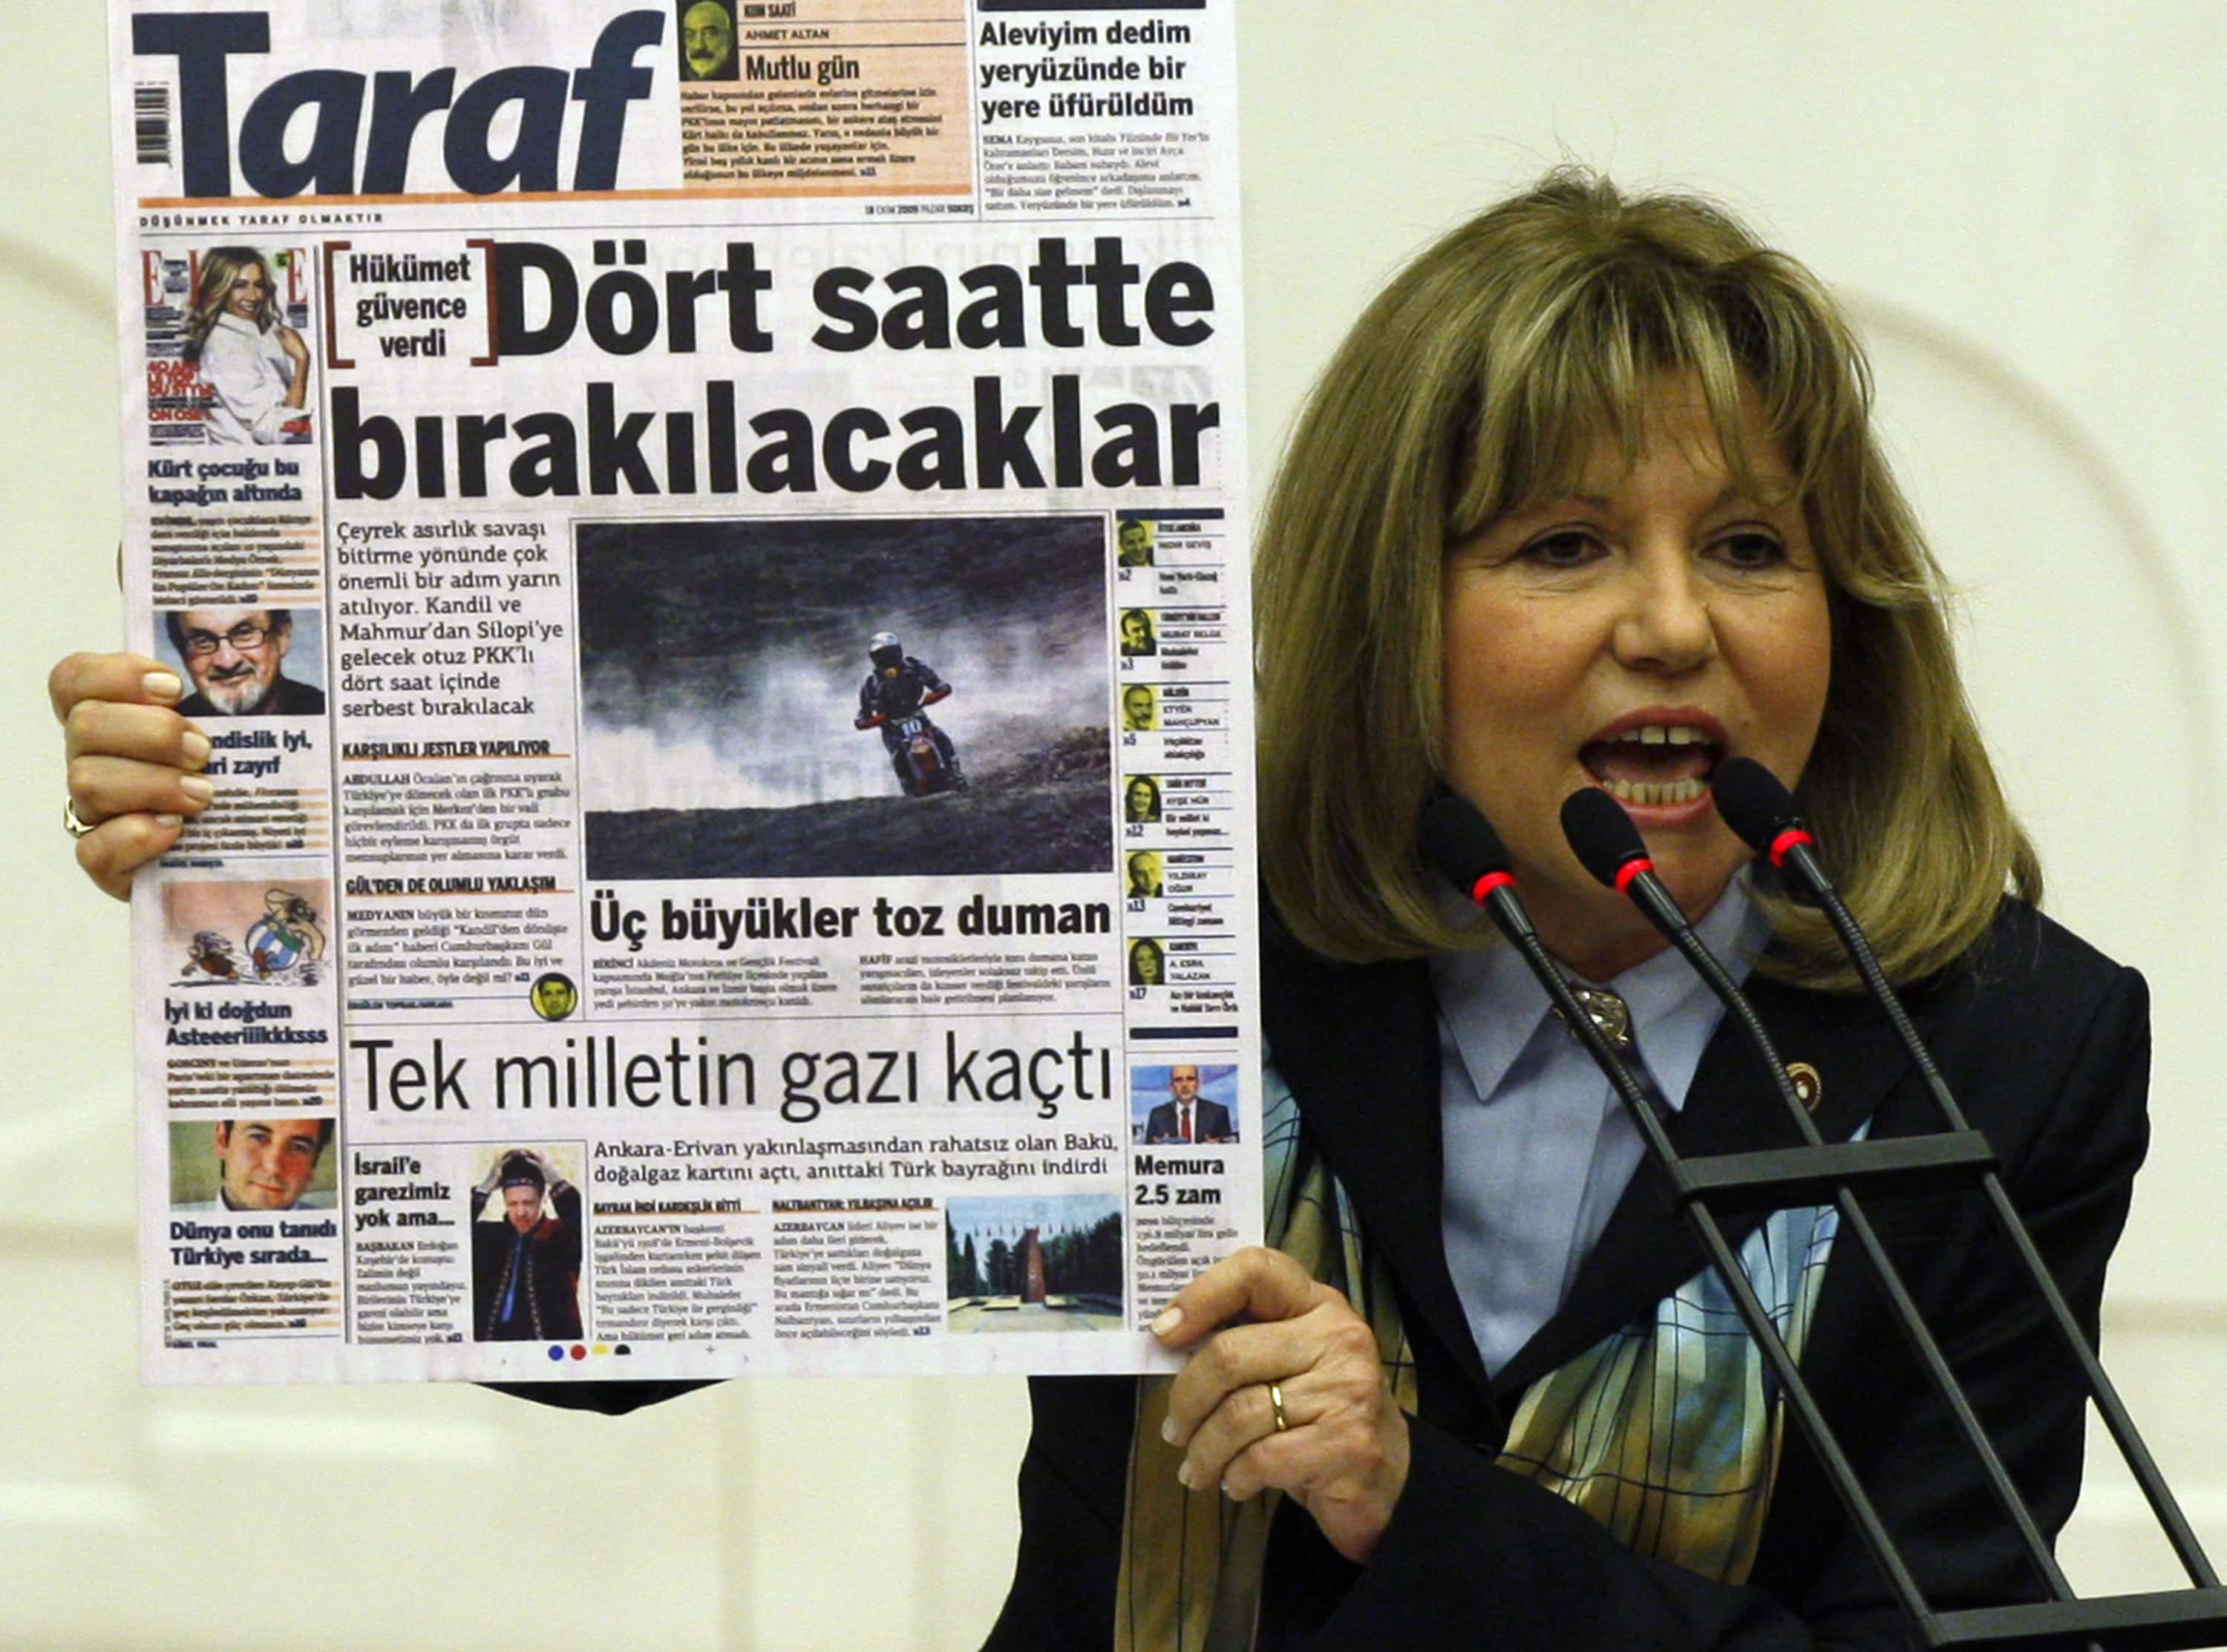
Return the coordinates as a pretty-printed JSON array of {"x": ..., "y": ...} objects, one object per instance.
[
  {"x": 1210, "y": 1122},
  {"x": 2045, "y": 1044}
]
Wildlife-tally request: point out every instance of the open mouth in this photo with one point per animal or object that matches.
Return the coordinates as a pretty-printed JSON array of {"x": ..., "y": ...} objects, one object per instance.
[{"x": 1653, "y": 765}]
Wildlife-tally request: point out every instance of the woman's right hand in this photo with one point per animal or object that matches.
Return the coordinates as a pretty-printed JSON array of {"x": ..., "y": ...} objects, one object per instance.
[
  {"x": 297, "y": 350},
  {"x": 133, "y": 761}
]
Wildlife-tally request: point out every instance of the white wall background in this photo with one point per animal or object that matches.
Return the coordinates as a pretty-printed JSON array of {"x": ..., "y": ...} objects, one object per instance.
[{"x": 2020, "y": 203}]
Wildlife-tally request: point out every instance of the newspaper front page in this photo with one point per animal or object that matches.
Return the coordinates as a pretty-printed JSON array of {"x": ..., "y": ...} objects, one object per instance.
[{"x": 707, "y": 540}]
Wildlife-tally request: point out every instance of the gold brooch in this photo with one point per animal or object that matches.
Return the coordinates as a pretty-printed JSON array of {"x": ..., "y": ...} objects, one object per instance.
[{"x": 1605, "y": 1011}]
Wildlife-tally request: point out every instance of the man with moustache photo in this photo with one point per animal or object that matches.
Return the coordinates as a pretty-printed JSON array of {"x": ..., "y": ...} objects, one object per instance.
[
  {"x": 236, "y": 658},
  {"x": 707, "y": 41}
]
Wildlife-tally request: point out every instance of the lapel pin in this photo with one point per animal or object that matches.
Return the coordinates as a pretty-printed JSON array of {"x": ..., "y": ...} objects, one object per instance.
[{"x": 1808, "y": 1084}]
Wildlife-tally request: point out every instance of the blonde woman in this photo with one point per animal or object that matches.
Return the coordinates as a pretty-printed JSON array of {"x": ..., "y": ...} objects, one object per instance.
[
  {"x": 1590, "y": 498},
  {"x": 257, "y": 366}
]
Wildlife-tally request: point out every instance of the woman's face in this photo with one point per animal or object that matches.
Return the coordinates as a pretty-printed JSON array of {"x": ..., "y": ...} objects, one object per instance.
[
  {"x": 248, "y": 289},
  {"x": 1632, "y": 636},
  {"x": 1147, "y": 963},
  {"x": 1140, "y": 801}
]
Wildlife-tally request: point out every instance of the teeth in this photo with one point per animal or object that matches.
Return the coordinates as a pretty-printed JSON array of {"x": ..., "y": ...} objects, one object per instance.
[
  {"x": 1656, "y": 792},
  {"x": 1663, "y": 734}
]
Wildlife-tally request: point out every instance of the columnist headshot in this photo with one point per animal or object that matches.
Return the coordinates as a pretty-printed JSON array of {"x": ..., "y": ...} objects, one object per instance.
[
  {"x": 1147, "y": 963},
  {"x": 526, "y": 1254},
  {"x": 1140, "y": 710},
  {"x": 256, "y": 368},
  {"x": 258, "y": 1164},
  {"x": 1135, "y": 538},
  {"x": 236, "y": 658},
  {"x": 1138, "y": 639},
  {"x": 1146, "y": 883},
  {"x": 1187, "y": 1116},
  {"x": 1140, "y": 801},
  {"x": 707, "y": 41}
]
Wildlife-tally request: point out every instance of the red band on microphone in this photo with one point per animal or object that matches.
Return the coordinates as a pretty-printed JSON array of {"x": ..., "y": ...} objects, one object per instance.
[
  {"x": 1488, "y": 882},
  {"x": 1787, "y": 839},
  {"x": 1629, "y": 870}
]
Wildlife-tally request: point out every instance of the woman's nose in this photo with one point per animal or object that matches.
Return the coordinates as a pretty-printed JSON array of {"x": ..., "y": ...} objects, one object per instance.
[{"x": 1666, "y": 625}]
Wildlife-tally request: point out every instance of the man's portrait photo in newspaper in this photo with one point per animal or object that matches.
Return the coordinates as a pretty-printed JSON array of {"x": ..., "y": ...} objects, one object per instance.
[
  {"x": 1036, "y": 1262},
  {"x": 854, "y": 697},
  {"x": 527, "y": 1227},
  {"x": 247, "y": 661},
  {"x": 707, "y": 40},
  {"x": 1138, "y": 639},
  {"x": 255, "y": 365},
  {"x": 1147, "y": 882},
  {"x": 252, "y": 1161},
  {"x": 1134, "y": 539},
  {"x": 1183, "y": 1102},
  {"x": 1140, "y": 709}
]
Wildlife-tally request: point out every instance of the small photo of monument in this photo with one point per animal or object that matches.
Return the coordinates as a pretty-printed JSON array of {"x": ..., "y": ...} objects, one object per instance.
[{"x": 1033, "y": 1263}]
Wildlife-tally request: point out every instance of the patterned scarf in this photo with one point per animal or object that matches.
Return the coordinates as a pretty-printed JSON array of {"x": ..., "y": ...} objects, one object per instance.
[{"x": 1667, "y": 1431}]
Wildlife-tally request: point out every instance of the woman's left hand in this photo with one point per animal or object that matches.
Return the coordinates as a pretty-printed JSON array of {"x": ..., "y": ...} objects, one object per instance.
[{"x": 1256, "y": 1318}]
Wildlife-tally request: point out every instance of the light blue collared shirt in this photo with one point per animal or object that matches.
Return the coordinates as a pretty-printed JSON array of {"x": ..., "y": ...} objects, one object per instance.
[{"x": 1538, "y": 1149}]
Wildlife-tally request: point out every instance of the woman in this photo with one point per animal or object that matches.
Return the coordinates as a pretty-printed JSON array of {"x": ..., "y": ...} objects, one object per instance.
[
  {"x": 1140, "y": 801},
  {"x": 1588, "y": 498},
  {"x": 261, "y": 392},
  {"x": 1599, "y": 472}
]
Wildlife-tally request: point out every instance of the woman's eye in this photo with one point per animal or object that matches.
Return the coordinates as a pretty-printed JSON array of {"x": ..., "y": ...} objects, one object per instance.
[
  {"x": 1566, "y": 548},
  {"x": 1750, "y": 550}
]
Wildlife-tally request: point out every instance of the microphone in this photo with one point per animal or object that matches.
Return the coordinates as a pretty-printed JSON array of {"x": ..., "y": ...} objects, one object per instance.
[
  {"x": 1608, "y": 846},
  {"x": 1761, "y": 814},
  {"x": 1459, "y": 842}
]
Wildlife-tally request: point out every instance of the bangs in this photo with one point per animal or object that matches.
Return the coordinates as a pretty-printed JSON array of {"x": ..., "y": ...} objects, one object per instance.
[{"x": 1583, "y": 356}]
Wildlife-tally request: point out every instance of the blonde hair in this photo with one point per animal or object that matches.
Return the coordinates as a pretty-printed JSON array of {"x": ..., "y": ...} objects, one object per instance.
[
  {"x": 1476, "y": 384},
  {"x": 220, "y": 272}
]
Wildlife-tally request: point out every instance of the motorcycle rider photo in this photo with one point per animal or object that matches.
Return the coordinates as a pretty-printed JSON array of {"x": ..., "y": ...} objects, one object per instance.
[{"x": 897, "y": 687}]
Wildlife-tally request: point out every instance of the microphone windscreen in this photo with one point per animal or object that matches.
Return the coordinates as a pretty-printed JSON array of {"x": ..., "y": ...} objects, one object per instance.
[
  {"x": 1460, "y": 842},
  {"x": 1601, "y": 834},
  {"x": 1751, "y": 802}
]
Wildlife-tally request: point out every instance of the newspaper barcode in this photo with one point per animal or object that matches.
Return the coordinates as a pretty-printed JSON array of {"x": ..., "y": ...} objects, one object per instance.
[{"x": 150, "y": 123}]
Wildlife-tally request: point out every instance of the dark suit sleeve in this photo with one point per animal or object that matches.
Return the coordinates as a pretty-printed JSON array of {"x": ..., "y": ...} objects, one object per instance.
[
  {"x": 1478, "y": 1558},
  {"x": 1071, "y": 1491},
  {"x": 570, "y": 1230}
]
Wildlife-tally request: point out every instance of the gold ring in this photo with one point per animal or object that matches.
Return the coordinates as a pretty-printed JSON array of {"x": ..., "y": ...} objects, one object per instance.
[
  {"x": 1276, "y": 1400},
  {"x": 71, "y": 824}
]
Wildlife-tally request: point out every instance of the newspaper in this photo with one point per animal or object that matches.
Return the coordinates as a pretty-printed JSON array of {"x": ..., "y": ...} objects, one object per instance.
[{"x": 708, "y": 541}]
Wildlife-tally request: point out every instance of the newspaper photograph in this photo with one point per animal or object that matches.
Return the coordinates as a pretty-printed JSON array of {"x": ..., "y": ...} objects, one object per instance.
[{"x": 708, "y": 541}]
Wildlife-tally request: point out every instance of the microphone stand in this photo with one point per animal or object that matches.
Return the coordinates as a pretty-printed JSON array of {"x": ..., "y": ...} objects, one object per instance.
[
  {"x": 1461, "y": 842},
  {"x": 1508, "y": 915},
  {"x": 1789, "y": 846},
  {"x": 1609, "y": 847}
]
